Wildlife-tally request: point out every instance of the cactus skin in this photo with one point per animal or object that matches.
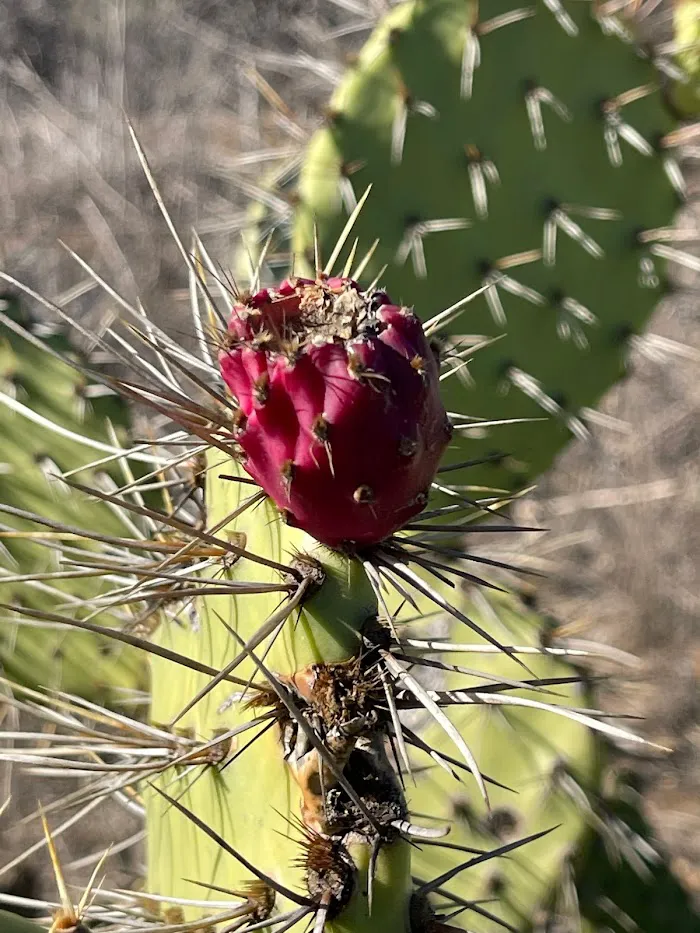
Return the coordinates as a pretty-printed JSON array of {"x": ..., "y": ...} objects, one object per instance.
[
  {"x": 77, "y": 662},
  {"x": 413, "y": 60},
  {"x": 11, "y": 923}
]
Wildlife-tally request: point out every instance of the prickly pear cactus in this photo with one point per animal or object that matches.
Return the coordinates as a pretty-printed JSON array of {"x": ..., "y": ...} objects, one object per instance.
[
  {"x": 523, "y": 154},
  {"x": 275, "y": 752},
  {"x": 275, "y": 771},
  {"x": 51, "y": 419}
]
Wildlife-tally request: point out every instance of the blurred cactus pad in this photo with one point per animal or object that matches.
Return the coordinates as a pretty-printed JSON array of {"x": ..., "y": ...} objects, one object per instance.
[
  {"x": 601, "y": 870},
  {"x": 54, "y": 420},
  {"x": 686, "y": 16},
  {"x": 526, "y": 152}
]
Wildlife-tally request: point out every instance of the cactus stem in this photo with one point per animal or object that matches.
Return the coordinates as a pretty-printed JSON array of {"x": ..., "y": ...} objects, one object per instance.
[
  {"x": 286, "y": 697},
  {"x": 274, "y": 621},
  {"x": 228, "y": 848}
]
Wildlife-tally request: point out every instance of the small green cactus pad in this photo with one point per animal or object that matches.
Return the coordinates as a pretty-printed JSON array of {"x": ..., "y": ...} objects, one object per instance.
[
  {"x": 537, "y": 754},
  {"x": 31, "y": 454},
  {"x": 523, "y": 147}
]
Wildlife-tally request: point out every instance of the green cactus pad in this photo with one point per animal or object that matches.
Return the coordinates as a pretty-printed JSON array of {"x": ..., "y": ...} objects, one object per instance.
[
  {"x": 528, "y": 750},
  {"x": 31, "y": 452},
  {"x": 617, "y": 893},
  {"x": 600, "y": 868},
  {"x": 556, "y": 105},
  {"x": 246, "y": 803}
]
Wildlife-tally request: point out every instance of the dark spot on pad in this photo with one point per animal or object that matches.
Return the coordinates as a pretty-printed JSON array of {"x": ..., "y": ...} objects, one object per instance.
[
  {"x": 656, "y": 140},
  {"x": 462, "y": 812},
  {"x": 529, "y": 598},
  {"x": 334, "y": 118},
  {"x": 636, "y": 237},
  {"x": 496, "y": 886},
  {"x": 517, "y": 481},
  {"x": 559, "y": 398},
  {"x": 556, "y": 297},
  {"x": 503, "y": 823},
  {"x": 504, "y": 367},
  {"x": 622, "y": 333},
  {"x": 601, "y": 107}
]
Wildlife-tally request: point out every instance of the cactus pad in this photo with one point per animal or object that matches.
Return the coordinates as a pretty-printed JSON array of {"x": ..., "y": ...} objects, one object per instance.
[
  {"x": 31, "y": 457},
  {"x": 519, "y": 150}
]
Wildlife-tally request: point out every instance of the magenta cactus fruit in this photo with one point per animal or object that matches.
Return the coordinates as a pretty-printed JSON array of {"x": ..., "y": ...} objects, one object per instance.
[{"x": 339, "y": 415}]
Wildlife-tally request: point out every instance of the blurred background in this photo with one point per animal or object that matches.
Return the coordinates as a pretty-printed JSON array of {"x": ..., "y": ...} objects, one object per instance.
[{"x": 218, "y": 91}]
